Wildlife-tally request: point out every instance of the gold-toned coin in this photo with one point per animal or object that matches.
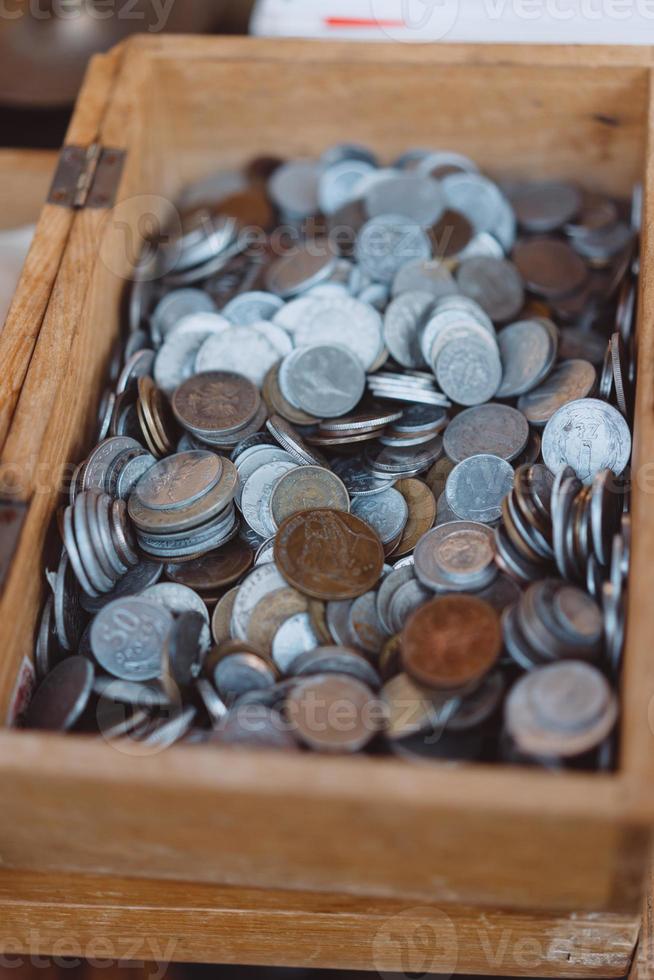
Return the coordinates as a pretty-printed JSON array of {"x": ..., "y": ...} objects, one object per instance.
[
  {"x": 436, "y": 477},
  {"x": 422, "y": 513},
  {"x": 318, "y": 616},
  {"x": 269, "y": 614},
  {"x": 222, "y": 617}
]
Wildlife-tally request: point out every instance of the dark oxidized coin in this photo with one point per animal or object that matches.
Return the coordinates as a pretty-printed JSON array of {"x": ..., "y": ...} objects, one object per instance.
[{"x": 62, "y": 696}]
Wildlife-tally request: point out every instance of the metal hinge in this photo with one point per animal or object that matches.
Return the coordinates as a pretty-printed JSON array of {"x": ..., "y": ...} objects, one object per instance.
[{"x": 87, "y": 177}]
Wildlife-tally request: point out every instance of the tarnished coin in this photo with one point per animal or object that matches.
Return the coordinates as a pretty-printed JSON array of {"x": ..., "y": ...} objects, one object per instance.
[
  {"x": 469, "y": 370},
  {"x": 498, "y": 430},
  {"x": 421, "y": 505},
  {"x": 179, "y": 481},
  {"x": 365, "y": 626},
  {"x": 179, "y": 520},
  {"x": 404, "y": 601},
  {"x": 476, "y": 487},
  {"x": 451, "y": 641},
  {"x": 271, "y": 613},
  {"x": 589, "y": 436},
  {"x": 261, "y": 582},
  {"x": 546, "y": 205},
  {"x": 307, "y": 488},
  {"x": 357, "y": 478},
  {"x": 238, "y": 673},
  {"x": 325, "y": 381},
  {"x": 528, "y": 350},
  {"x": 568, "y": 381},
  {"x": 62, "y": 697},
  {"x": 387, "y": 589},
  {"x": 457, "y": 557},
  {"x": 493, "y": 283},
  {"x": 436, "y": 477},
  {"x": 549, "y": 267},
  {"x": 333, "y": 713},
  {"x": 216, "y": 403},
  {"x": 221, "y": 619},
  {"x": 127, "y": 638},
  {"x": 186, "y": 647},
  {"x": 387, "y": 513},
  {"x": 410, "y": 710},
  {"x": 215, "y": 570},
  {"x": 328, "y": 554},
  {"x": 255, "y": 726}
]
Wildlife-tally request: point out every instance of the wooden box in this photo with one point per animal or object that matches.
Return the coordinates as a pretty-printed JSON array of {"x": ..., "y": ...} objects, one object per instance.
[{"x": 359, "y": 830}]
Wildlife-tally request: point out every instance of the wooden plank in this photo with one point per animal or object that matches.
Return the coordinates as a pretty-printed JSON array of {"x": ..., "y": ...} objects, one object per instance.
[
  {"x": 116, "y": 918},
  {"x": 26, "y": 315},
  {"x": 26, "y": 179},
  {"x": 642, "y": 967},
  {"x": 487, "y": 835}
]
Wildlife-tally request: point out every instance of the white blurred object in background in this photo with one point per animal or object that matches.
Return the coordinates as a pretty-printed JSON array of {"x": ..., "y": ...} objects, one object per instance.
[
  {"x": 14, "y": 246},
  {"x": 491, "y": 21}
]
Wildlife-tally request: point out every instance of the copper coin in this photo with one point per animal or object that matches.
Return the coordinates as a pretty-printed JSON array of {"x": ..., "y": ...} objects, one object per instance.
[
  {"x": 269, "y": 614},
  {"x": 451, "y": 641},
  {"x": 549, "y": 267},
  {"x": 214, "y": 570},
  {"x": 329, "y": 554},
  {"x": 216, "y": 402},
  {"x": 307, "y": 488},
  {"x": 221, "y": 619},
  {"x": 333, "y": 713},
  {"x": 422, "y": 513},
  {"x": 450, "y": 235},
  {"x": 436, "y": 477}
]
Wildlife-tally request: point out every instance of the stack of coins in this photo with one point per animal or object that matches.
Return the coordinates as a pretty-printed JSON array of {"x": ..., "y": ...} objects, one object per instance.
[{"x": 385, "y": 459}]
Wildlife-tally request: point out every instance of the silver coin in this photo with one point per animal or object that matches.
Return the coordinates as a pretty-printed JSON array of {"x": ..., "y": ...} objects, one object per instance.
[
  {"x": 358, "y": 479},
  {"x": 545, "y": 205},
  {"x": 294, "y": 637},
  {"x": 387, "y": 513},
  {"x": 259, "y": 583},
  {"x": 425, "y": 275},
  {"x": 569, "y": 381},
  {"x": 336, "y": 660},
  {"x": 241, "y": 349},
  {"x": 403, "y": 462},
  {"x": 175, "y": 360},
  {"x": 457, "y": 557},
  {"x": 528, "y": 350},
  {"x": 175, "y": 305},
  {"x": 493, "y": 283},
  {"x": 257, "y": 491},
  {"x": 365, "y": 626},
  {"x": 387, "y": 589},
  {"x": 386, "y": 243},
  {"x": 411, "y": 195},
  {"x": 405, "y": 600},
  {"x": 477, "y": 486},
  {"x": 337, "y": 615},
  {"x": 292, "y": 442},
  {"x": 293, "y": 187},
  {"x": 276, "y": 335},
  {"x": 326, "y": 381},
  {"x": 345, "y": 322},
  {"x": 403, "y": 323},
  {"x": 589, "y": 436},
  {"x": 439, "y": 163},
  {"x": 248, "y": 308},
  {"x": 137, "y": 579},
  {"x": 68, "y": 614},
  {"x": 496, "y": 429},
  {"x": 468, "y": 371},
  {"x": 93, "y": 475},
  {"x": 252, "y": 459},
  {"x": 338, "y": 183},
  {"x": 239, "y": 673},
  {"x": 442, "y": 322},
  {"x": 477, "y": 198},
  {"x": 127, "y": 638},
  {"x": 130, "y": 474},
  {"x": 61, "y": 698},
  {"x": 308, "y": 264},
  {"x": 176, "y": 482},
  {"x": 176, "y": 599}
]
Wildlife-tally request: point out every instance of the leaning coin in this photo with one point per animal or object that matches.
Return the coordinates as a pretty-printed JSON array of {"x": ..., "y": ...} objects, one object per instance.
[
  {"x": 528, "y": 349},
  {"x": 468, "y": 370},
  {"x": 62, "y": 696},
  {"x": 257, "y": 492},
  {"x": 589, "y": 436},
  {"x": 357, "y": 478},
  {"x": 387, "y": 513},
  {"x": 127, "y": 638},
  {"x": 421, "y": 504},
  {"x": 364, "y": 624},
  {"x": 177, "y": 599},
  {"x": 404, "y": 602},
  {"x": 261, "y": 582},
  {"x": 476, "y": 487},
  {"x": 307, "y": 488},
  {"x": 270, "y": 613},
  {"x": 326, "y": 381},
  {"x": 403, "y": 323},
  {"x": 496, "y": 429},
  {"x": 222, "y": 616},
  {"x": 493, "y": 283},
  {"x": 332, "y": 713},
  {"x": 386, "y": 591},
  {"x": 239, "y": 673},
  {"x": 328, "y": 554},
  {"x": 568, "y": 381},
  {"x": 294, "y": 637},
  {"x": 451, "y": 641}
]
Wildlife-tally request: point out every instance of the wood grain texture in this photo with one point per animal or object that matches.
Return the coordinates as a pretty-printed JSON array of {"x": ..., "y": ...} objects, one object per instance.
[
  {"x": 26, "y": 179},
  {"x": 477, "y": 835},
  {"x": 138, "y": 919},
  {"x": 25, "y": 318},
  {"x": 642, "y": 967}
]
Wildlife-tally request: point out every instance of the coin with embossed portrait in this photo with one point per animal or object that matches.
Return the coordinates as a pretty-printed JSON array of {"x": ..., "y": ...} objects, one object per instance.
[{"x": 307, "y": 488}]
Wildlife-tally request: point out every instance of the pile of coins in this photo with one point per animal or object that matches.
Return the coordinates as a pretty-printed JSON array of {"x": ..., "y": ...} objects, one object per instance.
[{"x": 364, "y": 487}]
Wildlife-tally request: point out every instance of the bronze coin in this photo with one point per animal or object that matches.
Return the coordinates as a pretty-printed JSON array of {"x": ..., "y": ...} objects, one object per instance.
[
  {"x": 221, "y": 619},
  {"x": 216, "y": 402},
  {"x": 549, "y": 267},
  {"x": 451, "y": 641},
  {"x": 422, "y": 513},
  {"x": 333, "y": 713},
  {"x": 250, "y": 208},
  {"x": 269, "y": 614},
  {"x": 215, "y": 569},
  {"x": 318, "y": 616},
  {"x": 436, "y": 477},
  {"x": 329, "y": 554},
  {"x": 450, "y": 235}
]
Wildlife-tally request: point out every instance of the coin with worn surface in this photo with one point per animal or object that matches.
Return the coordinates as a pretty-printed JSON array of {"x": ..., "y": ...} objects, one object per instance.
[
  {"x": 342, "y": 321},
  {"x": 240, "y": 350},
  {"x": 328, "y": 554},
  {"x": 257, "y": 492},
  {"x": 549, "y": 267},
  {"x": 421, "y": 505},
  {"x": 278, "y": 404},
  {"x": 493, "y": 283},
  {"x": 387, "y": 242},
  {"x": 255, "y": 726},
  {"x": 178, "y": 481},
  {"x": 357, "y": 478},
  {"x": 239, "y": 673},
  {"x": 403, "y": 322},
  {"x": 62, "y": 697},
  {"x": 451, "y": 641},
  {"x": 477, "y": 486},
  {"x": 560, "y": 710},
  {"x": 568, "y": 381},
  {"x": 386, "y": 513},
  {"x": 589, "y": 436},
  {"x": 248, "y": 308},
  {"x": 261, "y": 582},
  {"x": 326, "y": 381},
  {"x": 498, "y": 430},
  {"x": 127, "y": 638},
  {"x": 307, "y": 488},
  {"x": 333, "y": 713},
  {"x": 404, "y": 601},
  {"x": 364, "y": 624},
  {"x": 468, "y": 370},
  {"x": 294, "y": 636},
  {"x": 528, "y": 350},
  {"x": 271, "y": 613},
  {"x": 179, "y": 520},
  {"x": 215, "y": 570},
  {"x": 216, "y": 402},
  {"x": 221, "y": 619},
  {"x": 425, "y": 276},
  {"x": 186, "y": 647},
  {"x": 543, "y": 206},
  {"x": 456, "y": 557}
]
